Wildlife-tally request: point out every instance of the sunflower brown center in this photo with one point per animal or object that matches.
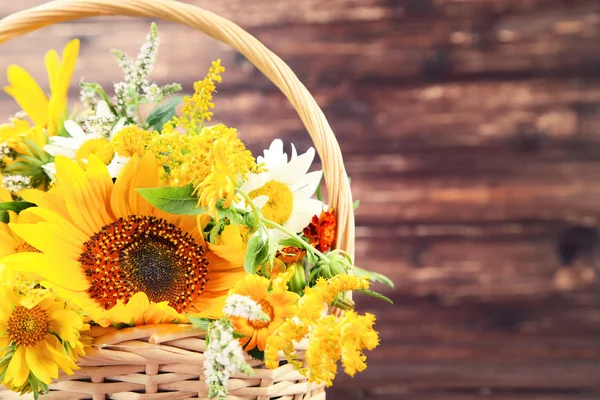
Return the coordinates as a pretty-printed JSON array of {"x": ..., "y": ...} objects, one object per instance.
[
  {"x": 144, "y": 254},
  {"x": 267, "y": 309},
  {"x": 27, "y": 326}
]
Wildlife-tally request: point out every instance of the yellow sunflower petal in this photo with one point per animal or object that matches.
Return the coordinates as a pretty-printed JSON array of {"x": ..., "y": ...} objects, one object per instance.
[
  {"x": 5, "y": 194},
  {"x": 28, "y": 94},
  {"x": 17, "y": 371},
  {"x": 63, "y": 272},
  {"x": 47, "y": 200},
  {"x": 80, "y": 197},
  {"x": 119, "y": 199},
  {"x": 99, "y": 178},
  {"x": 52, "y": 65},
  {"x": 66, "y": 324},
  {"x": 8, "y": 244},
  {"x": 55, "y": 352},
  {"x": 59, "y": 77},
  {"x": 40, "y": 363},
  {"x": 49, "y": 239},
  {"x": 62, "y": 224},
  {"x": 146, "y": 177}
]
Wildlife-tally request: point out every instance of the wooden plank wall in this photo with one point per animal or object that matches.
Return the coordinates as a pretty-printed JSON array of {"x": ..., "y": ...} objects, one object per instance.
[{"x": 471, "y": 131}]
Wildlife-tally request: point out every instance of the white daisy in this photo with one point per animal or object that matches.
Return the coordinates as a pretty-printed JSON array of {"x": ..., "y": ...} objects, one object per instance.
[
  {"x": 288, "y": 185},
  {"x": 69, "y": 146}
]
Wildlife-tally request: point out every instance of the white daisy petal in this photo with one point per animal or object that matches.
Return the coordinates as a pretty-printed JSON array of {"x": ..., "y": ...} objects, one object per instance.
[
  {"x": 74, "y": 129},
  {"x": 306, "y": 187},
  {"x": 59, "y": 151},
  {"x": 102, "y": 109},
  {"x": 283, "y": 176},
  {"x": 50, "y": 170},
  {"x": 302, "y": 163}
]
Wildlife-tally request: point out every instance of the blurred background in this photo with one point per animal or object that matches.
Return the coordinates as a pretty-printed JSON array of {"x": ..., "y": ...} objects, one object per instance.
[{"x": 471, "y": 132}]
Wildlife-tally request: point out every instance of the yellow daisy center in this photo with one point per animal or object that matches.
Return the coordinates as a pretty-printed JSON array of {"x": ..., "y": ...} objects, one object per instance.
[
  {"x": 144, "y": 254},
  {"x": 267, "y": 309},
  {"x": 281, "y": 201},
  {"x": 27, "y": 326},
  {"x": 100, "y": 147}
]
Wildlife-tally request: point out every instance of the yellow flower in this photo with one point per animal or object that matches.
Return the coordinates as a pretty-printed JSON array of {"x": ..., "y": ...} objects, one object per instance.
[
  {"x": 102, "y": 242},
  {"x": 196, "y": 109},
  {"x": 342, "y": 338},
  {"x": 220, "y": 183},
  {"x": 131, "y": 140},
  {"x": 331, "y": 338},
  {"x": 44, "y": 112},
  {"x": 36, "y": 329},
  {"x": 278, "y": 305},
  {"x": 100, "y": 147},
  {"x": 191, "y": 158},
  {"x": 10, "y": 242},
  {"x": 140, "y": 311}
]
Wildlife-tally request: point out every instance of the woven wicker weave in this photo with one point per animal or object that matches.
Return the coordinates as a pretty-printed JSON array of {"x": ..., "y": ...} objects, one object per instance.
[{"x": 165, "y": 362}]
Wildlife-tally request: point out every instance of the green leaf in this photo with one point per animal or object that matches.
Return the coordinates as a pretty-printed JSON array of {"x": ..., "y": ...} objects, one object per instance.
[
  {"x": 178, "y": 200},
  {"x": 201, "y": 323},
  {"x": 257, "y": 253},
  {"x": 238, "y": 335},
  {"x": 16, "y": 206},
  {"x": 163, "y": 113},
  {"x": 373, "y": 276},
  {"x": 355, "y": 204},
  {"x": 257, "y": 354},
  {"x": 4, "y": 217},
  {"x": 376, "y": 295},
  {"x": 319, "y": 190}
]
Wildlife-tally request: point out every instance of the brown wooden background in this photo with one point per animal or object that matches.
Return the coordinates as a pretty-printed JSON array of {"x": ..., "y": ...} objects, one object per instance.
[{"x": 471, "y": 131}]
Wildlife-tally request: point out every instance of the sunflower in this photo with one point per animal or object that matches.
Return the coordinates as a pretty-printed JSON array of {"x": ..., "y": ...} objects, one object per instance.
[
  {"x": 102, "y": 242},
  {"x": 277, "y": 305},
  {"x": 37, "y": 328},
  {"x": 288, "y": 185},
  {"x": 45, "y": 112}
]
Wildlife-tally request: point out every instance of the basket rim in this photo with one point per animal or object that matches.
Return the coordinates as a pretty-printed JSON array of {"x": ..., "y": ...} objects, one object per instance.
[{"x": 275, "y": 69}]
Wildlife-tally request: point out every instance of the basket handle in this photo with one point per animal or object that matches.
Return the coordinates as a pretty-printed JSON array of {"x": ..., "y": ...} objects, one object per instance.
[{"x": 340, "y": 197}]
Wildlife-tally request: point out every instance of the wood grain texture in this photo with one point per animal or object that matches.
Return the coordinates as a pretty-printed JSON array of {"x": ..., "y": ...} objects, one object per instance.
[{"x": 471, "y": 132}]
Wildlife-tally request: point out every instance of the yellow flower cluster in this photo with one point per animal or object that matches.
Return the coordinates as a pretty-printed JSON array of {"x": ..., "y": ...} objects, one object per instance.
[
  {"x": 192, "y": 158},
  {"x": 197, "y": 108},
  {"x": 331, "y": 338},
  {"x": 40, "y": 334},
  {"x": 131, "y": 140}
]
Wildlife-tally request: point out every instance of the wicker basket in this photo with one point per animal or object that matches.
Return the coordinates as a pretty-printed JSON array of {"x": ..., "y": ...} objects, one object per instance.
[{"x": 165, "y": 362}]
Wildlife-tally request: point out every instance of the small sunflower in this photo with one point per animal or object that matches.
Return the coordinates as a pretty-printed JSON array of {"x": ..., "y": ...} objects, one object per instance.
[
  {"x": 37, "y": 331},
  {"x": 277, "y": 305},
  {"x": 102, "y": 242},
  {"x": 288, "y": 185}
]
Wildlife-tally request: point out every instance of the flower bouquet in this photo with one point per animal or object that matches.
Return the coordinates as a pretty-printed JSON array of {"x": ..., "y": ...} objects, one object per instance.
[{"x": 146, "y": 253}]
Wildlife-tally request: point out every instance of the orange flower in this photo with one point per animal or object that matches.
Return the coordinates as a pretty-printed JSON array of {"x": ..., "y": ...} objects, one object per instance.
[
  {"x": 278, "y": 305},
  {"x": 321, "y": 231},
  {"x": 291, "y": 255}
]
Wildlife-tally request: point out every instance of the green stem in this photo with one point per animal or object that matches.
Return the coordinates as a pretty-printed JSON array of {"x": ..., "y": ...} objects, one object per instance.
[
  {"x": 294, "y": 235},
  {"x": 256, "y": 211},
  {"x": 139, "y": 113}
]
